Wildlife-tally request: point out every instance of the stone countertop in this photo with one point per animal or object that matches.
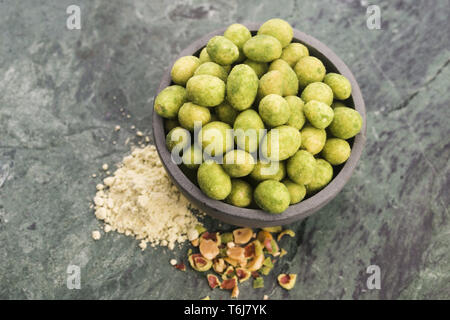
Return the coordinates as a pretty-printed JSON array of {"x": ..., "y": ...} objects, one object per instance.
[{"x": 61, "y": 95}]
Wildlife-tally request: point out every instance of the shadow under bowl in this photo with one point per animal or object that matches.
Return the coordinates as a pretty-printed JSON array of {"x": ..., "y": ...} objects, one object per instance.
[{"x": 255, "y": 217}]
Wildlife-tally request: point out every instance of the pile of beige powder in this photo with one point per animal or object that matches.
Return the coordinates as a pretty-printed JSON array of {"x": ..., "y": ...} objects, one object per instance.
[{"x": 140, "y": 200}]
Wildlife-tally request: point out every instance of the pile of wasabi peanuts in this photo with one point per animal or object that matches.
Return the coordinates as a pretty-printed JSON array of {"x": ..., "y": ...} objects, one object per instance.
[{"x": 265, "y": 81}]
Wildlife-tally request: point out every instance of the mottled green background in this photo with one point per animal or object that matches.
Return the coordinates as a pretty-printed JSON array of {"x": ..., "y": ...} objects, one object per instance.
[{"x": 60, "y": 95}]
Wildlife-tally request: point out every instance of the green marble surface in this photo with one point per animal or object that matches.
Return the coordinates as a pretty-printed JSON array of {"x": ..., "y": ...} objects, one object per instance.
[{"x": 60, "y": 97}]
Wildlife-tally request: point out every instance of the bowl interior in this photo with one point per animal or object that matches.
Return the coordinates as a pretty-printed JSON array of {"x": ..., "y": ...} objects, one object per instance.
[{"x": 185, "y": 179}]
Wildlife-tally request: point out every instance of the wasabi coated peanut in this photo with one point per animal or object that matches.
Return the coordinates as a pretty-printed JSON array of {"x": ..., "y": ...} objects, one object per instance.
[
  {"x": 213, "y": 180},
  {"x": 274, "y": 110},
  {"x": 279, "y": 29},
  {"x": 313, "y": 139},
  {"x": 297, "y": 117},
  {"x": 293, "y": 52},
  {"x": 296, "y": 191},
  {"x": 301, "y": 167},
  {"x": 227, "y": 68},
  {"x": 322, "y": 176},
  {"x": 192, "y": 157},
  {"x": 178, "y": 137},
  {"x": 169, "y": 101},
  {"x": 336, "y": 104},
  {"x": 242, "y": 87},
  {"x": 318, "y": 91},
  {"x": 270, "y": 83},
  {"x": 169, "y": 124},
  {"x": 241, "y": 195},
  {"x": 260, "y": 68},
  {"x": 190, "y": 113},
  {"x": 318, "y": 114},
  {"x": 214, "y": 117},
  {"x": 272, "y": 196},
  {"x": 290, "y": 80},
  {"x": 226, "y": 113},
  {"x": 248, "y": 130},
  {"x": 336, "y": 151},
  {"x": 262, "y": 48},
  {"x": 241, "y": 57},
  {"x": 216, "y": 138},
  {"x": 342, "y": 89},
  {"x": 222, "y": 50},
  {"x": 212, "y": 69},
  {"x": 183, "y": 69},
  {"x": 309, "y": 69},
  {"x": 238, "y": 163},
  {"x": 238, "y": 34},
  {"x": 281, "y": 143},
  {"x": 269, "y": 170},
  {"x": 204, "y": 56},
  {"x": 346, "y": 124},
  {"x": 205, "y": 90}
]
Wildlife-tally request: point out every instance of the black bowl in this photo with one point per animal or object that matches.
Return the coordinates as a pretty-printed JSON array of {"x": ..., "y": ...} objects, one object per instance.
[{"x": 255, "y": 217}]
